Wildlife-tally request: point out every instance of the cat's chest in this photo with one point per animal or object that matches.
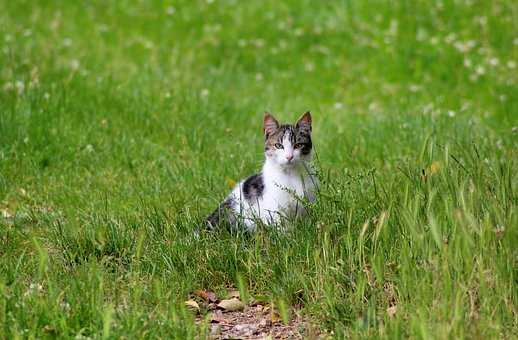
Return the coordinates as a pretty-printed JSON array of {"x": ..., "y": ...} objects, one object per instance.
[{"x": 285, "y": 191}]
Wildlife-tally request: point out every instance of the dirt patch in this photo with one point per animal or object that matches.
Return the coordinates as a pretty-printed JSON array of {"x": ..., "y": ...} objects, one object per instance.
[{"x": 256, "y": 320}]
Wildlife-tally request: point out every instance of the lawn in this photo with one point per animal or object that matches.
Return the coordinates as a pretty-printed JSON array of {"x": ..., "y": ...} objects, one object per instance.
[{"x": 124, "y": 123}]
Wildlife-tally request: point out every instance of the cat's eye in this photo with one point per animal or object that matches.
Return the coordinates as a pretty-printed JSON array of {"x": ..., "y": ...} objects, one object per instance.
[
  {"x": 279, "y": 146},
  {"x": 298, "y": 145}
]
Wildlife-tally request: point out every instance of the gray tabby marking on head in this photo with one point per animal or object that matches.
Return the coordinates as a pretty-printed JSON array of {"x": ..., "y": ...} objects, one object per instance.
[{"x": 299, "y": 133}]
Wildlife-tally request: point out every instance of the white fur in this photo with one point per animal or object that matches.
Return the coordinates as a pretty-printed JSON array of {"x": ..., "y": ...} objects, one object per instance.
[{"x": 286, "y": 183}]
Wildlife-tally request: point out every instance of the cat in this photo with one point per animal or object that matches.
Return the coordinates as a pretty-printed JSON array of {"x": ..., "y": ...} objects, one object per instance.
[{"x": 277, "y": 192}]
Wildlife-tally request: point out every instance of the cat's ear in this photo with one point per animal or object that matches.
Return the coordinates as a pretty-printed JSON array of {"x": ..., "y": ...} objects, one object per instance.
[
  {"x": 270, "y": 124},
  {"x": 304, "y": 122}
]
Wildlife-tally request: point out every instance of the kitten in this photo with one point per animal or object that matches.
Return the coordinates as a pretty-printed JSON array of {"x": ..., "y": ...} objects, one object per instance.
[{"x": 276, "y": 193}]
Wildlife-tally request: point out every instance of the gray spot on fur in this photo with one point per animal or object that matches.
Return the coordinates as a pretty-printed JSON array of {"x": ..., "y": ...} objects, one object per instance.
[{"x": 253, "y": 187}]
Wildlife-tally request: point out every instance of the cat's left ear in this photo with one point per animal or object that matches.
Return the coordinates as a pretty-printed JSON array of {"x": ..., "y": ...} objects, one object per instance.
[{"x": 304, "y": 122}]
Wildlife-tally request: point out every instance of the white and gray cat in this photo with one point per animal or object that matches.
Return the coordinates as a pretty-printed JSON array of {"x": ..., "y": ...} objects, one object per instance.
[{"x": 286, "y": 179}]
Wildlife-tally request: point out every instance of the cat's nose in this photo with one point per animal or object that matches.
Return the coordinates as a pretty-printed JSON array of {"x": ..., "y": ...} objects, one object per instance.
[{"x": 289, "y": 157}]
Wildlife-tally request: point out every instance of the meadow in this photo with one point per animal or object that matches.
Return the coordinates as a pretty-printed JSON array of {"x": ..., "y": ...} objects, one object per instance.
[{"x": 123, "y": 124}]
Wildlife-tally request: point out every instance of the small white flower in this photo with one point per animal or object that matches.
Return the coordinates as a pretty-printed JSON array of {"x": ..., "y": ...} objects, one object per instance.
[
  {"x": 74, "y": 64},
  {"x": 309, "y": 67},
  {"x": 373, "y": 106},
  {"x": 259, "y": 43},
  {"x": 451, "y": 113},
  {"x": 89, "y": 148},
  {"x": 450, "y": 38},
  {"x": 170, "y": 10},
  {"x": 204, "y": 92},
  {"x": 20, "y": 86},
  {"x": 494, "y": 61},
  {"x": 258, "y": 76},
  {"x": 480, "y": 70},
  {"x": 65, "y": 306},
  {"x": 414, "y": 88},
  {"x": 421, "y": 34},
  {"x": 148, "y": 44},
  {"x": 393, "y": 28},
  {"x": 511, "y": 64},
  {"x": 338, "y": 105},
  {"x": 102, "y": 28}
]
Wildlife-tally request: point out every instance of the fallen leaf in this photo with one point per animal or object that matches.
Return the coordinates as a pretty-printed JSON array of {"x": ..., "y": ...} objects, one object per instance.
[
  {"x": 192, "y": 305},
  {"x": 230, "y": 182},
  {"x": 206, "y": 295},
  {"x": 48, "y": 329},
  {"x": 434, "y": 167},
  {"x": 231, "y": 305},
  {"x": 275, "y": 317},
  {"x": 391, "y": 311}
]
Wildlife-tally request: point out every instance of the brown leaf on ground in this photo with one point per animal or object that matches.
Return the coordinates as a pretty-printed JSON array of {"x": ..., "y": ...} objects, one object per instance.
[
  {"x": 231, "y": 305},
  {"x": 206, "y": 295},
  {"x": 275, "y": 317},
  {"x": 192, "y": 305}
]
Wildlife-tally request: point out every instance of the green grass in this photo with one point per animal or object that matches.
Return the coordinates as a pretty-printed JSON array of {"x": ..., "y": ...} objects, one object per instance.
[{"x": 121, "y": 123}]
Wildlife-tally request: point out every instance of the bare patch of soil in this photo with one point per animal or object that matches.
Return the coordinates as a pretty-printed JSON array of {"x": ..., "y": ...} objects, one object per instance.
[{"x": 257, "y": 320}]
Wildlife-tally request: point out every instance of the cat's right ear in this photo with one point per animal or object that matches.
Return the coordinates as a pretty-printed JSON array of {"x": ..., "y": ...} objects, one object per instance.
[{"x": 270, "y": 124}]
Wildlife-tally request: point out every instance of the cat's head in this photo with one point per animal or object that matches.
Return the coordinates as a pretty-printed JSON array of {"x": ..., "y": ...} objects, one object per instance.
[{"x": 286, "y": 144}]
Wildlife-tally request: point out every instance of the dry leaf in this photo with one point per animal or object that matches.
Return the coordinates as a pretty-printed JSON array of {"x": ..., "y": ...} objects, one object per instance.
[
  {"x": 434, "y": 167},
  {"x": 192, "y": 305},
  {"x": 206, "y": 295},
  {"x": 231, "y": 305},
  {"x": 275, "y": 317},
  {"x": 230, "y": 182},
  {"x": 391, "y": 311}
]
